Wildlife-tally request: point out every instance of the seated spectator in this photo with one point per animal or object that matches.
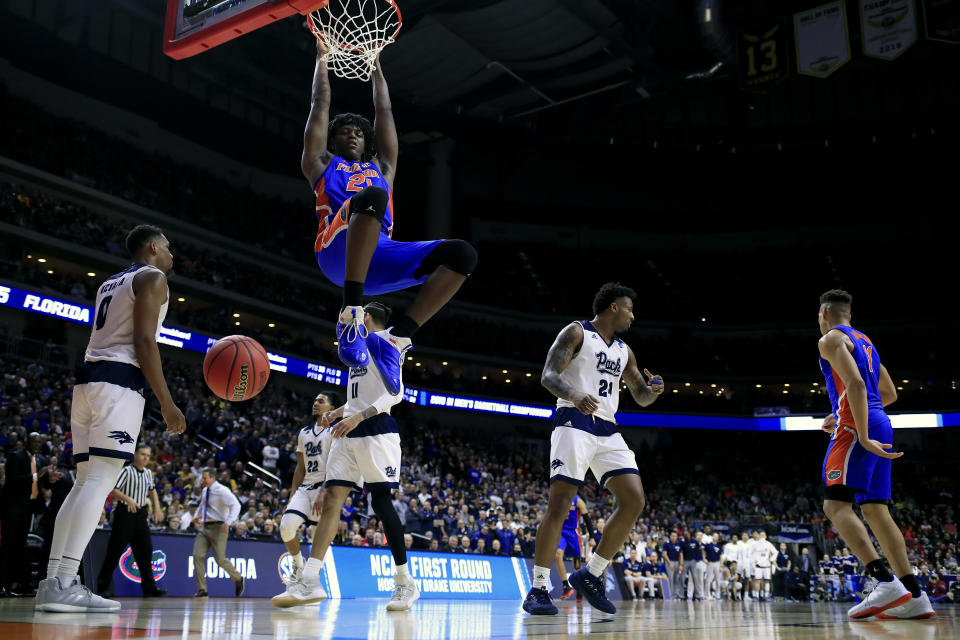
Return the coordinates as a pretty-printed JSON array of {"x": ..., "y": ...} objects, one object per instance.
[
  {"x": 408, "y": 541},
  {"x": 936, "y": 588},
  {"x": 173, "y": 524},
  {"x": 480, "y": 546}
]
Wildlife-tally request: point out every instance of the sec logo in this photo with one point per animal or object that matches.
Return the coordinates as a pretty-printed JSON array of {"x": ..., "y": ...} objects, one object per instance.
[{"x": 285, "y": 568}]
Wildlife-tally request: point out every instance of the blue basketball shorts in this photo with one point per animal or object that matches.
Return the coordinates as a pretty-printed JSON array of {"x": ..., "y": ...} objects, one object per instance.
[
  {"x": 570, "y": 543},
  {"x": 391, "y": 268},
  {"x": 849, "y": 464}
]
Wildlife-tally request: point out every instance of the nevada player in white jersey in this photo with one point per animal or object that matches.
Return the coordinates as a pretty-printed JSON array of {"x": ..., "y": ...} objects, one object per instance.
[
  {"x": 364, "y": 454},
  {"x": 306, "y": 491},
  {"x": 108, "y": 400},
  {"x": 764, "y": 555},
  {"x": 583, "y": 369}
]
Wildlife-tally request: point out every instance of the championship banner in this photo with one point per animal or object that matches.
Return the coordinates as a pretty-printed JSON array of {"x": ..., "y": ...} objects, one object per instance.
[
  {"x": 763, "y": 56},
  {"x": 942, "y": 18},
  {"x": 348, "y": 572},
  {"x": 793, "y": 532},
  {"x": 889, "y": 27},
  {"x": 823, "y": 44}
]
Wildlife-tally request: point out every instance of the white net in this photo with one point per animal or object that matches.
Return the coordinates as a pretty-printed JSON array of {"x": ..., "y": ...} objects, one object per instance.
[{"x": 355, "y": 31}]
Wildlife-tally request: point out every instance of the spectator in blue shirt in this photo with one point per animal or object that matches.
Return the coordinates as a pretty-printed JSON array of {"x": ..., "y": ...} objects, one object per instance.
[
  {"x": 692, "y": 565},
  {"x": 633, "y": 575},
  {"x": 674, "y": 560}
]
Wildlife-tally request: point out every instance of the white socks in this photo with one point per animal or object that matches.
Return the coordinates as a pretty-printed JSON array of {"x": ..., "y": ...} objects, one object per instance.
[
  {"x": 298, "y": 561},
  {"x": 80, "y": 514},
  {"x": 597, "y": 565},
  {"x": 403, "y": 574},
  {"x": 541, "y": 577},
  {"x": 311, "y": 570}
]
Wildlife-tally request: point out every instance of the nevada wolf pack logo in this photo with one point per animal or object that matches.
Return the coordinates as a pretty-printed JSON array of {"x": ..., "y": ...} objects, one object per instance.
[
  {"x": 390, "y": 471},
  {"x": 556, "y": 464},
  {"x": 122, "y": 437}
]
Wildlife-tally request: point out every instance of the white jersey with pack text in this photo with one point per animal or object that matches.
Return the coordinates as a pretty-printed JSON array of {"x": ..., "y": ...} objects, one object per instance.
[
  {"x": 111, "y": 336},
  {"x": 596, "y": 369},
  {"x": 314, "y": 444},
  {"x": 763, "y": 553}
]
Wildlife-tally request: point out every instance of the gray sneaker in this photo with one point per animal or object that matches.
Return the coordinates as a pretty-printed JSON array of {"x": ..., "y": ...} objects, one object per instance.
[
  {"x": 54, "y": 596},
  {"x": 45, "y": 590}
]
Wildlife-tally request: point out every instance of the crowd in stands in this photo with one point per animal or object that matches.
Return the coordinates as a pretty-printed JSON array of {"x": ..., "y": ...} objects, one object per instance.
[
  {"x": 465, "y": 492},
  {"x": 681, "y": 349}
]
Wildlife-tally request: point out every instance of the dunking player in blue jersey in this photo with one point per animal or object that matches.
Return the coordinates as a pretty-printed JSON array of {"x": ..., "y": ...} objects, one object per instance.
[
  {"x": 351, "y": 166},
  {"x": 857, "y": 465},
  {"x": 571, "y": 543}
]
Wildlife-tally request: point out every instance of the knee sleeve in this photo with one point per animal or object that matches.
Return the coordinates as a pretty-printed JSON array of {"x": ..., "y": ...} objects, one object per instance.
[
  {"x": 456, "y": 255},
  {"x": 289, "y": 525},
  {"x": 372, "y": 202}
]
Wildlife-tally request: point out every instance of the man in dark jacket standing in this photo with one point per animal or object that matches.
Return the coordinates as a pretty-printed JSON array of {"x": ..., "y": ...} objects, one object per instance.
[{"x": 21, "y": 487}]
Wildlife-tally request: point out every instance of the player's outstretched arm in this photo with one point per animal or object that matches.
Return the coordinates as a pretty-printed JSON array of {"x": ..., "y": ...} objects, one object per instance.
[
  {"x": 644, "y": 392},
  {"x": 888, "y": 390},
  {"x": 833, "y": 349},
  {"x": 384, "y": 128},
  {"x": 566, "y": 345},
  {"x": 315, "y": 156},
  {"x": 150, "y": 289}
]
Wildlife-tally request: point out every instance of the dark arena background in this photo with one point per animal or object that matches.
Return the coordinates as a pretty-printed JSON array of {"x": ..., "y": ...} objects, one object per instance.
[{"x": 728, "y": 160}]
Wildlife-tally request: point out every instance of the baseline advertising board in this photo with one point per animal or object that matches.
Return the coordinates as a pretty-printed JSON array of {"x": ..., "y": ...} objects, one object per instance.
[{"x": 348, "y": 572}]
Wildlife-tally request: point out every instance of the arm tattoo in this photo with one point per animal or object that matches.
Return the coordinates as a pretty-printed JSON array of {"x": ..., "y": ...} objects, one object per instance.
[
  {"x": 563, "y": 349},
  {"x": 369, "y": 412},
  {"x": 641, "y": 393}
]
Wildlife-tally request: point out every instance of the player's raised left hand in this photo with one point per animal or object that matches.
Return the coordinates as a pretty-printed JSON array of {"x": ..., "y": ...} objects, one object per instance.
[
  {"x": 346, "y": 425},
  {"x": 655, "y": 382}
]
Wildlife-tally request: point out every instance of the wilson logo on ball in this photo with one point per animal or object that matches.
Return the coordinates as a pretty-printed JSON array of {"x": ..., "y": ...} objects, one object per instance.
[
  {"x": 241, "y": 387},
  {"x": 236, "y": 368}
]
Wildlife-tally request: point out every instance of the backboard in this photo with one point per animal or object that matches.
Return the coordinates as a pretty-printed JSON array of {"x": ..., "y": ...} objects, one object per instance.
[{"x": 195, "y": 26}]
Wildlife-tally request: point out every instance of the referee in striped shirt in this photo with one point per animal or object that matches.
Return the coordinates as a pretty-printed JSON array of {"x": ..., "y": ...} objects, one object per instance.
[{"x": 130, "y": 527}]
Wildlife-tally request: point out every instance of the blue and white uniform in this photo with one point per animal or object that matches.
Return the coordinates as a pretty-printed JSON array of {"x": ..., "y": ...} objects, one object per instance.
[
  {"x": 581, "y": 442},
  {"x": 370, "y": 454},
  {"x": 108, "y": 397},
  {"x": 313, "y": 443}
]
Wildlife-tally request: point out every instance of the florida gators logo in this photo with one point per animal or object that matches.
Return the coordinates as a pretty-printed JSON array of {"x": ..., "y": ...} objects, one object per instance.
[
  {"x": 130, "y": 570},
  {"x": 834, "y": 475}
]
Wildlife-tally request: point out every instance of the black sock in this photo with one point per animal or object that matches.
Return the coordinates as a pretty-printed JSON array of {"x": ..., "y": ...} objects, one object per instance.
[
  {"x": 383, "y": 507},
  {"x": 405, "y": 327},
  {"x": 352, "y": 293},
  {"x": 910, "y": 582},
  {"x": 879, "y": 570},
  {"x": 566, "y": 585}
]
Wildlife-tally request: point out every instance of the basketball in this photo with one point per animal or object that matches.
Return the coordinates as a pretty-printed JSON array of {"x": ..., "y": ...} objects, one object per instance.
[{"x": 236, "y": 368}]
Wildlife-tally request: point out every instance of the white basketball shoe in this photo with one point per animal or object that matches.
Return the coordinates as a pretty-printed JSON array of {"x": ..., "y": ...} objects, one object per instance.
[
  {"x": 403, "y": 597},
  {"x": 885, "y": 595},
  {"x": 914, "y": 609},
  {"x": 298, "y": 593}
]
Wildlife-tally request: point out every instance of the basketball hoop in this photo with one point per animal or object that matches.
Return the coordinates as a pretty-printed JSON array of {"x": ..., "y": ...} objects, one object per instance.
[{"x": 355, "y": 31}]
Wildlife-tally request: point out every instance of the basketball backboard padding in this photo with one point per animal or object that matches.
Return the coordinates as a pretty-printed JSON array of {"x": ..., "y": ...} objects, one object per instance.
[{"x": 210, "y": 23}]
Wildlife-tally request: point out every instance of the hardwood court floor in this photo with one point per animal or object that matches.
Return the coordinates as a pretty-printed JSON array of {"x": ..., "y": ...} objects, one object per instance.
[{"x": 256, "y": 619}]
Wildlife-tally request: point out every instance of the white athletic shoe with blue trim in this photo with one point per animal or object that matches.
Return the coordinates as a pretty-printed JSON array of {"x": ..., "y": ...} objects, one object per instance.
[{"x": 352, "y": 337}]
